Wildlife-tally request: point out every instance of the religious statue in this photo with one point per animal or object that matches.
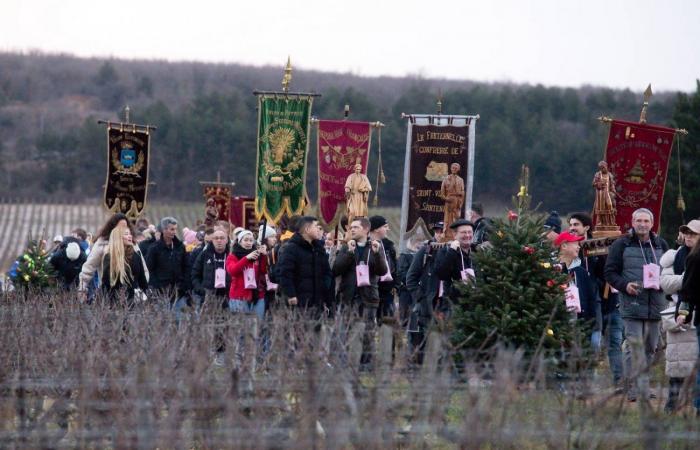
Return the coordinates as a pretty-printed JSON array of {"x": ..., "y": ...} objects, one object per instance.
[
  {"x": 452, "y": 191},
  {"x": 211, "y": 213},
  {"x": 604, "y": 204},
  {"x": 357, "y": 189}
]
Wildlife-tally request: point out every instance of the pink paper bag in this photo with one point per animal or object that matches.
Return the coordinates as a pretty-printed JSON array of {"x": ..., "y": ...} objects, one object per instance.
[
  {"x": 652, "y": 276},
  {"x": 249, "y": 278},
  {"x": 362, "y": 274},
  {"x": 220, "y": 278}
]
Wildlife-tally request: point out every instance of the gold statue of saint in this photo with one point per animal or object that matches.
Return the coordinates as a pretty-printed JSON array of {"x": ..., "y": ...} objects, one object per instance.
[
  {"x": 357, "y": 189},
  {"x": 604, "y": 204},
  {"x": 452, "y": 191}
]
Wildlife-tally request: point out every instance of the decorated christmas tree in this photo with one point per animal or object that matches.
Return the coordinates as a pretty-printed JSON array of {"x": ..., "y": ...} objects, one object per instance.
[
  {"x": 518, "y": 298},
  {"x": 34, "y": 270}
]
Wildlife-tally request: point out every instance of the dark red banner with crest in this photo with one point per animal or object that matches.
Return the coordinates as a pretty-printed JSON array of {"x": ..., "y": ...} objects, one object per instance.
[
  {"x": 242, "y": 213},
  {"x": 638, "y": 155},
  {"x": 341, "y": 145}
]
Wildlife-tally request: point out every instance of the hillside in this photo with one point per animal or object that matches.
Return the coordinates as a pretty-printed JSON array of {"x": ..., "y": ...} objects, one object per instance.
[{"x": 52, "y": 147}]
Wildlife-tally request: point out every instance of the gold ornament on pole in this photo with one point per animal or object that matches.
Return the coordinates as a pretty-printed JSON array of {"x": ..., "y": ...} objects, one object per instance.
[
  {"x": 645, "y": 105},
  {"x": 287, "y": 78}
]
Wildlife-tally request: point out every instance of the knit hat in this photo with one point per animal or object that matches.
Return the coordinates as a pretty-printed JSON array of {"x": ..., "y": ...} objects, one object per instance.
[
  {"x": 189, "y": 236},
  {"x": 73, "y": 251},
  {"x": 58, "y": 238},
  {"x": 269, "y": 232},
  {"x": 242, "y": 234},
  {"x": 376, "y": 222},
  {"x": 553, "y": 222},
  {"x": 237, "y": 230}
]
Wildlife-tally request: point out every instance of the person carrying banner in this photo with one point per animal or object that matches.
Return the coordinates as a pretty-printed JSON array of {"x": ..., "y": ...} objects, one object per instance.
[
  {"x": 454, "y": 264},
  {"x": 379, "y": 228},
  {"x": 359, "y": 264},
  {"x": 633, "y": 269}
]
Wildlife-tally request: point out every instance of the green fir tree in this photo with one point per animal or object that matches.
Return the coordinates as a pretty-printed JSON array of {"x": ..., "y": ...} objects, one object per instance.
[
  {"x": 34, "y": 270},
  {"x": 518, "y": 296}
]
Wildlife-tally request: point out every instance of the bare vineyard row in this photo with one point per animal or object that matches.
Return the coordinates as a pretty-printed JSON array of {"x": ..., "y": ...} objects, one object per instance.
[{"x": 19, "y": 221}]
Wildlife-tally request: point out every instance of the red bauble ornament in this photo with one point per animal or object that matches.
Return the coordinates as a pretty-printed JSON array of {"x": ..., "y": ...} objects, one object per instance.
[
  {"x": 512, "y": 215},
  {"x": 528, "y": 250},
  {"x": 550, "y": 283}
]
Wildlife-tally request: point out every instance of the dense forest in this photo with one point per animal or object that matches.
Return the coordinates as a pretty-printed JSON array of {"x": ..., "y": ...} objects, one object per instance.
[{"x": 51, "y": 146}]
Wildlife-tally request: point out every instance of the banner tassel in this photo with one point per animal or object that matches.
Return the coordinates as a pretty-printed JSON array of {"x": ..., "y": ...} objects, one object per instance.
[{"x": 680, "y": 203}]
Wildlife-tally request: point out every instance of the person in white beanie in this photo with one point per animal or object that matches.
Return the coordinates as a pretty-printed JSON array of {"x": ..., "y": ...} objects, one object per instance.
[
  {"x": 68, "y": 260},
  {"x": 681, "y": 341}
]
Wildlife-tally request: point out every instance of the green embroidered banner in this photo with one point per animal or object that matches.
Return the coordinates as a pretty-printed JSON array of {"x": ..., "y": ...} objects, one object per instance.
[{"x": 283, "y": 136}]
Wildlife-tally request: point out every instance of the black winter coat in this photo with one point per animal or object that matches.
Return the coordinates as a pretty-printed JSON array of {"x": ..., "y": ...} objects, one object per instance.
[
  {"x": 303, "y": 272},
  {"x": 448, "y": 267},
  {"x": 690, "y": 290},
  {"x": 168, "y": 266},
  {"x": 204, "y": 270},
  {"x": 136, "y": 280},
  {"x": 68, "y": 270},
  {"x": 344, "y": 266}
]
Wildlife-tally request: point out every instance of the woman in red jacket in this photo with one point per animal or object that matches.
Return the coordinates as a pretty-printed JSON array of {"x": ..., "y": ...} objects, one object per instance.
[{"x": 247, "y": 270}]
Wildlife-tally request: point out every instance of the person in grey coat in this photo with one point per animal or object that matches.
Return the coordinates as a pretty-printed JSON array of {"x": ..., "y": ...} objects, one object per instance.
[{"x": 640, "y": 304}]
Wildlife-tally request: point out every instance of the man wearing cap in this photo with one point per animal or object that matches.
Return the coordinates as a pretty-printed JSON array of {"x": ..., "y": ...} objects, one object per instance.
[
  {"x": 454, "y": 262},
  {"x": 438, "y": 230},
  {"x": 569, "y": 247},
  {"x": 379, "y": 228},
  {"x": 633, "y": 269}
]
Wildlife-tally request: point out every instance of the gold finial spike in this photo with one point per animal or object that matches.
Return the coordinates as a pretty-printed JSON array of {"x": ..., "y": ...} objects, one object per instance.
[
  {"x": 645, "y": 105},
  {"x": 287, "y": 78},
  {"x": 439, "y": 102},
  {"x": 126, "y": 114}
]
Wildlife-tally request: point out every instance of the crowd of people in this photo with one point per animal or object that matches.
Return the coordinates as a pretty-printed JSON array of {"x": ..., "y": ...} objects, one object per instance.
[{"x": 640, "y": 289}]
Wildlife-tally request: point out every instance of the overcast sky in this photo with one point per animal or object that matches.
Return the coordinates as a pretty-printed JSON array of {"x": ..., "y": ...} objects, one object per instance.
[{"x": 556, "y": 42}]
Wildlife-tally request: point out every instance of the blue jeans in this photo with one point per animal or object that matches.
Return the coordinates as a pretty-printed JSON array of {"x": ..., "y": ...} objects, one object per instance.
[
  {"x": 697, "y": 378},
  {"x": 177, "y": 306},
  {"x": 238, "y": 306},
  {"x": 612, "y": 326}
]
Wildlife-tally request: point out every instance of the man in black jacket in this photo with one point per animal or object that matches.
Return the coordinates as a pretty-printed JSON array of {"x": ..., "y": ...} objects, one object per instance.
[
  {"x": 454, "y": 262},
  {"x": 303, "y": 271},
  {"x": 167, "y": 264},
  {"x": 379, "y": 228}
]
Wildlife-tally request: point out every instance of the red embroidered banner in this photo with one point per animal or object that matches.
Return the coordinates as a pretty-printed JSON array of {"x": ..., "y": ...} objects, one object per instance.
[
  {"x": 341, "y": 145},
  {"x": 637, "y": 155},
  {"x": 242, "y": 213},
  {"x": 218, "y": 201}
]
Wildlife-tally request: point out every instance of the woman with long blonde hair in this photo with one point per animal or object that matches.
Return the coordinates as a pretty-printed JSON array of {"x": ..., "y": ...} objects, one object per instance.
[{"x": 122, "y": 267}]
